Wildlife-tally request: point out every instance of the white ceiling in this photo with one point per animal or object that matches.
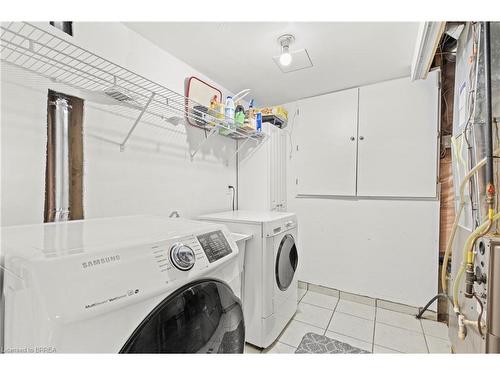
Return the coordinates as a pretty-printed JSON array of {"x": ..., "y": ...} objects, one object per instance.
[{"x": 239, "y": 55}]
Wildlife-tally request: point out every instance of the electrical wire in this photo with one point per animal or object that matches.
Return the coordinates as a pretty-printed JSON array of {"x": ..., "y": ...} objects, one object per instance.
[
  {"x": 424, "y": 309},
  {"x": 231, "y": 187},
  {"x": 290, "y": 132}
]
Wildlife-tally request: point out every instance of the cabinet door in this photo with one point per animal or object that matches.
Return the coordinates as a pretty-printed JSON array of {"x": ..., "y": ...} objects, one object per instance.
[
  {"x": 398, "y": 135},
  {"x": 326, "y": 139},
  {"x": 277, "y": 160}
]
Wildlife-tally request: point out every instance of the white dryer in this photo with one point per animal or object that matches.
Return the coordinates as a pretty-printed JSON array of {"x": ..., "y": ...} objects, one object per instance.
[
  {"x": 138, "y": 284},
  {"x": 271, "y": 259}
]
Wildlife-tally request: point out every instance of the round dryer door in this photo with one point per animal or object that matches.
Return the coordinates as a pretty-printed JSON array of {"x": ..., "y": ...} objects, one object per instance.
[
  {"x": 202, "y": 317},
  {"x": 286, "y": 262}
]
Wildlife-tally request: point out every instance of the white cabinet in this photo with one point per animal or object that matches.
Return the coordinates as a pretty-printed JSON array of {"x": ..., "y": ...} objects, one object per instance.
[
  {"x": 326, "y": 133},
  {"x": 262, "y": 172},
  {"x": 398, "y": 138},
  {"x": 376, "y": 141},
  {"x": 277, "y": 170}
]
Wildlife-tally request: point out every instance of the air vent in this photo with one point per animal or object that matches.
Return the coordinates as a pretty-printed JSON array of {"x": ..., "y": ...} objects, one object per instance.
[{"x": 300, "y": 60}]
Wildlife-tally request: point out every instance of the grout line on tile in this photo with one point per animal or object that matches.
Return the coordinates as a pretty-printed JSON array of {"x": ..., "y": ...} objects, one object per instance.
[
  {"x": 274, "y": 343},
  {"x": 284, "y": 329},
  {"x": 302, "y": 296},
  {"x": 406, "y": 329},
  {"x": 430, "y": 334},
  {"x": 374, "y": 328},
  {"x": 290, "y": 346},
  {"x": 357, "y": 316},
  {"x": 323, "y": 307},
  {"x": 396, "y": 311},
  {"x": 309, "y": 323},
  {"x": 343, "y": 334},
  {"x": 318, "y": 306},
  {"x": 382, "y": 346},
  {"x": 331, "y": 317},
  {"x": 425, "y": 338}
]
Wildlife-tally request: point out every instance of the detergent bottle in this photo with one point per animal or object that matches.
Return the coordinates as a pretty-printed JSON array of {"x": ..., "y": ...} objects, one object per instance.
[{"x": 229, "y": 111}]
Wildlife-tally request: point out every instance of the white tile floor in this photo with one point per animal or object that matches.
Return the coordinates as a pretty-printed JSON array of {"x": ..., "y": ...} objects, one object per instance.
[{"x": 367, "y": 327}]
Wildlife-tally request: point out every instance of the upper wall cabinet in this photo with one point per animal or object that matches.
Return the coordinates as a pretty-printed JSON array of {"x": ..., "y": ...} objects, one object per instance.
[
  {"x": 326, "y": 132},
  {"x": 376, "y": 141},
  {"x": 398, "y": 138}
]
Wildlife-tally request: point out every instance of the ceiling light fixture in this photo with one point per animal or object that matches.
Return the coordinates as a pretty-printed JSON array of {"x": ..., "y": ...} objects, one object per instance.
[{"x": 285, "y": 41}]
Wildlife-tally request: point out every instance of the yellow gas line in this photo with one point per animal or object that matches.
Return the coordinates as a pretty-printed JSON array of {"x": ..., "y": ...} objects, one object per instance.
[
  {"x": 463, "y": 185},
  {"x": 468, "y": 256}
]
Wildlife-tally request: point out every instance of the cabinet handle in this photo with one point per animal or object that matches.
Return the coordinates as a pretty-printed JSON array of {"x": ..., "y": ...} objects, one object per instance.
[
  {"x": 361, "y": 137},
  {"x": 352, "y": 138}
]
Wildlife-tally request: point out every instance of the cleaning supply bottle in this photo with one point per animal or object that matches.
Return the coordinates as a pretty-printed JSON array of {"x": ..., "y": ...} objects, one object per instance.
[
  {"x": 239, "y": 116},
  {"x": 229, "y": 111},
  {"x": 213, "y": 110},
  {"x": 250, "y": 123},
  {"x": 258, "y": 122}
]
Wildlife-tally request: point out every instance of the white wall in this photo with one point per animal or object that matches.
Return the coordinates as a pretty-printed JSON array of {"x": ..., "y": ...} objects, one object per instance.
[
  {"x": 382, "y": 248},
  {"x": 153, "y": 175}
]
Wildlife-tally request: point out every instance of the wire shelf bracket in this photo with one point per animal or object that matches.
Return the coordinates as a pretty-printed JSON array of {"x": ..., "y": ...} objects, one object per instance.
[
  {"x": 257, "y": 138},
  {"x": 240, "y": 147},
  {"x": 212, "y": 132},
  {"x": 122, "y": 145}
]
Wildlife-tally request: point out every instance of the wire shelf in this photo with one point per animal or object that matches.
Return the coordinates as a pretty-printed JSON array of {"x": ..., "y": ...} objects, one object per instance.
[{"x": 32, "y": 48}]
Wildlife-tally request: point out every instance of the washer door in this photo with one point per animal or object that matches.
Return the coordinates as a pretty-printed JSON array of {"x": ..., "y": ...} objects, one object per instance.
[
  {"x": 202, "y": 317},
  {"x": 286, "y": 262}
]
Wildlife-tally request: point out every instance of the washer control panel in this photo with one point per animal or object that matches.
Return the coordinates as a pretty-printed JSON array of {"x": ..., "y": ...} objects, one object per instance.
[{"x": 215, "y": 245}]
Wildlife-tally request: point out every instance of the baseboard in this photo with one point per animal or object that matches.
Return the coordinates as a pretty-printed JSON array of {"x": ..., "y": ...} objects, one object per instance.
[{"x": 381, "y": 303}]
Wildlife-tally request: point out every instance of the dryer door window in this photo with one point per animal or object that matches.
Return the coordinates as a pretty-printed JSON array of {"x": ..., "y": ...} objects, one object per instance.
[
  {"x": 286, "y": 262},
  {"x": 203, "y": 317}
]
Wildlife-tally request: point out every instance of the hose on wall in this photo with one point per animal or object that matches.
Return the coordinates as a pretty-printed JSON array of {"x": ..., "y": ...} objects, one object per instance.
[
  {"x": 461, "y": 206},
  {"x": 478, "y": 232},
  {"x": 467, "y": 264},
  {"x": 444, "y": 267}
]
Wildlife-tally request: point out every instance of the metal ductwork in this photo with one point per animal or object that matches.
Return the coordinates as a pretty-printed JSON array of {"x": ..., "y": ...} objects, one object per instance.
[{"x": 58, "y": 160}]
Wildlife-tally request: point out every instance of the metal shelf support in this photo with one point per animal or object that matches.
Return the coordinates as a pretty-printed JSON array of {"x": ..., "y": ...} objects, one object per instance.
[
  {"x": 122, "y": 145},
  {"x": 212, "y": 132},
  {"x": 264, "y": 140},
  {"x": 243, "y": 144}
]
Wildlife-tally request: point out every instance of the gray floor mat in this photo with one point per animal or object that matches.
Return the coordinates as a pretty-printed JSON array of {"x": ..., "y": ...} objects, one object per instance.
[{"x": 313, "y": 343}]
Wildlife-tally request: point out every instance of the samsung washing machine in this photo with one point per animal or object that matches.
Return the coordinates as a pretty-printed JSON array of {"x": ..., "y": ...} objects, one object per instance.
[
  {"x": 270, "y": 278},
  {"x": 122, "y": 285}
]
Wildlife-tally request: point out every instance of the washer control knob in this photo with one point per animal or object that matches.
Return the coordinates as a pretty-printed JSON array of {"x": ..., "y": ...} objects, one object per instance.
[{"x": 182, "y": 256}]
